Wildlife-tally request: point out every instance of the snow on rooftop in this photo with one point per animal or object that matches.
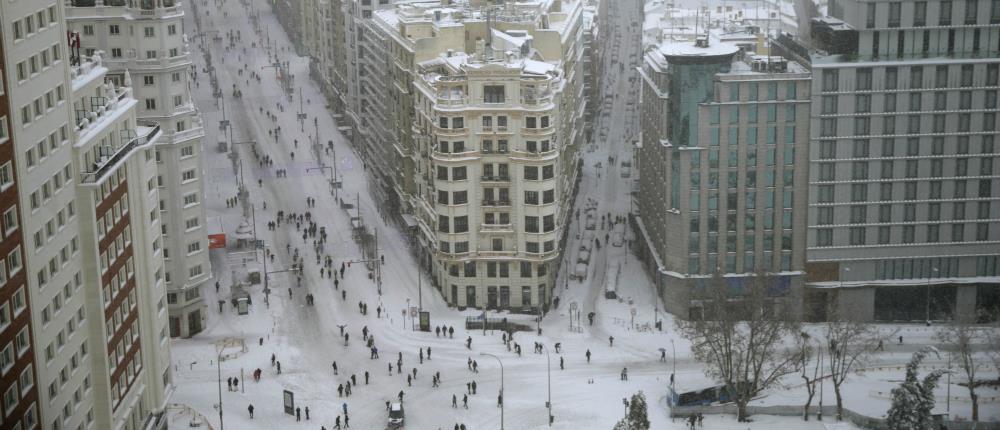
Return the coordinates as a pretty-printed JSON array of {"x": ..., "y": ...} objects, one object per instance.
[{"x": 688, "y": 49}]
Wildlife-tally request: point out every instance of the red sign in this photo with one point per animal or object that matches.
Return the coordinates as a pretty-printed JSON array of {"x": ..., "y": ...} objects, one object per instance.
[{"x": 216, "y": 241}]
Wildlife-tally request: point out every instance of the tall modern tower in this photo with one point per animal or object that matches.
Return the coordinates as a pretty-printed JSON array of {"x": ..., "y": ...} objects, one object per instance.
[
  {"x": 722, "y": 187},
  {"x": 904, "y": 222}
]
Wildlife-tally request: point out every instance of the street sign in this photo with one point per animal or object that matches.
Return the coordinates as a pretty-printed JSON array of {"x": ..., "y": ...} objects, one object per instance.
[{"x": 289, "y": 398}]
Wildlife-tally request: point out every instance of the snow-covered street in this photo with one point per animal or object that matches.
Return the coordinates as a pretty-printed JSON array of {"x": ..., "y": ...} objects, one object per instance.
[{"x": 306, "y": 339}]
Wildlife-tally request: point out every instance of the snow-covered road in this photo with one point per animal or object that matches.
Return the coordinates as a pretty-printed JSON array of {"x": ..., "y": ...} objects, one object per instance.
[{"x": 306, "y": 339}]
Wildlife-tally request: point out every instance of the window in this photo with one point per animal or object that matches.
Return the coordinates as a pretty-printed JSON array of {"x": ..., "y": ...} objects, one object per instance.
[
  {"x": 191, "y": 199},
  {"x": 863, "y": 78},
  {"x": 171, "y": 29},
  {"x": 148, "y": 31},
  {"x": 114, "y": 30},
  {"x": 944, "y": 15},
  {"x": 920, "y": 14},
  {"x": 88, "y": 30},
  {"x": 830, "y": 80},
  {"x": 493, "y": 94},
  {"x": 148, "y": 80},
  {"x": 150, "y": 104},
  {"x": 971, "y": 11}
]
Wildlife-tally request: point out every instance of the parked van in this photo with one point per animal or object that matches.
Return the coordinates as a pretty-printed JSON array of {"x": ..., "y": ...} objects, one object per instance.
[{"x": 396, "y": 415}]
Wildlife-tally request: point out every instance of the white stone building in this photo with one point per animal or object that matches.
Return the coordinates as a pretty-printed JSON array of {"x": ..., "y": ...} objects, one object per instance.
[
  {"x": 487, "y": 106},
  {"x": 147, "y": 39}
]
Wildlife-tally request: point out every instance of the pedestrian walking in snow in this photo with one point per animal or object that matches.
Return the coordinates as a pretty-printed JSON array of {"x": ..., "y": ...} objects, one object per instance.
[
  {"x": 354, "y": 380},
  {"x": 345, "y": 408},
  {"x": 250, "y": 409},
  {"x": 588, "y": 356},
  {"x": 473, "y": 388},
  {"x": 454, "y": 401},
  {"x": 336, "y": 423},
  {"x": 340, "y": 390},
  {"x": 409, "y": 381},
  {"x": 437, "y": 330},
  {"x": 611, "y": 340},
  {"x": 414, "y": 373},
  {"x": 229, "y": 384},
  {"x": 451, "y": 332},
  {"x": 279, "y": 367},
  {"x": 400, "y": 396},
  {"x": 561, "y": 364},
  {"x": 366, "y": 377},
  {"x": 428, "y": 353},
  {"x": 500, "y": 400},
  {"x": 475, "y": 366},
  {"x": 334, "y": 367},
  {"x": 236, "y": 384},
  {"x": 298, "y": 414},
  {"x": 307, "y": 413},
  {"x": 465, "y": 401}
]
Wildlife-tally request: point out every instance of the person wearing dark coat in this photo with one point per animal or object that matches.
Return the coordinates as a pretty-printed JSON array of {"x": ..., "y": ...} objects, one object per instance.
[{"x": 250, "y": 409}]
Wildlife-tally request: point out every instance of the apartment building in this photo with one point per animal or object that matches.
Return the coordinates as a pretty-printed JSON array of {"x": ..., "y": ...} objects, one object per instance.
[
  {"x": 91, "y": 279},
  {"x": 118, "y": 228},
  {"x": 904, "y": 177},
  {"x": 722, "y": 188},
  {"x": 147, "y": 40},
  {"x": 18, "y": 361},
  {"x": 485, "y": 104},
  {"x": 38, "y": 90}
]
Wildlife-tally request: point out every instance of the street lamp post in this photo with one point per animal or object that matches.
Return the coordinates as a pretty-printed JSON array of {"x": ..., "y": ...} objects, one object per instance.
[
  {"x": 218, "y": 368},
  {"x": 501, "y": 384},
  {"x": 548, "y": 404}
]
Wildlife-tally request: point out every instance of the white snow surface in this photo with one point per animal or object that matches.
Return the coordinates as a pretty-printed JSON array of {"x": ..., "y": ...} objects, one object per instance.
[{"x": 306, "y": 340}]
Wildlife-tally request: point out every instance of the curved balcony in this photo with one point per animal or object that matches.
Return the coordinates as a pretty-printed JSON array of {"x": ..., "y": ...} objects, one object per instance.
[
  {"x": 536, "y": 156},
  {"x": 454, "y": 156}
]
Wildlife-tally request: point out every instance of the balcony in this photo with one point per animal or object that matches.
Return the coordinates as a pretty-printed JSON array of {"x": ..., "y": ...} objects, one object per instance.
[
  {"x": 496, "y": 228},
  {"x": 496, "y": 202},
  {"x": 109, "y": 155},
  {"x": 495, "y": 178}
]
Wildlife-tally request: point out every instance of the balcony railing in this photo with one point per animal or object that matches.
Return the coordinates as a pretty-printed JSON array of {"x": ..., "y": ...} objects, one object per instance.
[
  {"x": 496, "y": 178},
  {"x": 110, "y": 156},
  {"x": 496, "y": 202},
  {"x": 496, "y": 228}
]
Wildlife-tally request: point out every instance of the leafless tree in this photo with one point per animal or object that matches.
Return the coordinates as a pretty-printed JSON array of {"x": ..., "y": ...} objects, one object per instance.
[
  {"x": 746, "y": 338},
  {"x": 959, "y": 338},
  {"x": 849, "y": 345},
  {"x": 808, "y": 354}
]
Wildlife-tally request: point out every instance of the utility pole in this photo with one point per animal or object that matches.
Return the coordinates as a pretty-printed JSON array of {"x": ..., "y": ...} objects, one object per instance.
[{"x": 302, "y": 114}]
